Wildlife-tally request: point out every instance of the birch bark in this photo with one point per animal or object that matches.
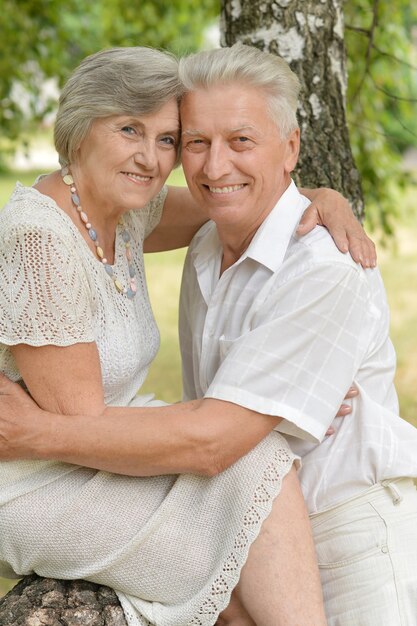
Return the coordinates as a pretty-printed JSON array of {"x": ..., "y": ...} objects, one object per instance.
[{"x": 309, "y": 35}]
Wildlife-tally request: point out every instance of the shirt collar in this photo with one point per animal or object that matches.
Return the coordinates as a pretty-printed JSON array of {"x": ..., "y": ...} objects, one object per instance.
[{"x": 271, "y": 240}]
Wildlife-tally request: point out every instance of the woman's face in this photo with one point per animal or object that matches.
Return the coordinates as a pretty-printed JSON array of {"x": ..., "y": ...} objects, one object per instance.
[{"x": 124, "y": 161}]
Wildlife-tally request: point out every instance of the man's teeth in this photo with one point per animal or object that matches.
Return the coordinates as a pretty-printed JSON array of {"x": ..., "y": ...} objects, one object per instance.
[
  {"x": 226, "y": 189},
  {"x": 142, "y": 179}
]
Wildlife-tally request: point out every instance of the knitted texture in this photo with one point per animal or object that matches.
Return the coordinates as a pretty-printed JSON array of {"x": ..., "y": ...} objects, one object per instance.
[{"x": 53, "y": 290}]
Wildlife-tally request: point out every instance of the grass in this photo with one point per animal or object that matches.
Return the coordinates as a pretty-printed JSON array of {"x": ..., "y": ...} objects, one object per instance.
[{"x": 398, "y": 264}]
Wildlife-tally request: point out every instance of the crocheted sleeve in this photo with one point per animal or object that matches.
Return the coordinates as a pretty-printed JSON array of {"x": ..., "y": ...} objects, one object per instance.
[
  {"x": 153, "y": 211},
  {"x": 44, "y": 293}
]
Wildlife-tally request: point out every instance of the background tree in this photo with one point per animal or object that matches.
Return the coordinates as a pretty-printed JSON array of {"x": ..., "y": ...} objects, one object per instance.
[
  {"x": 310, "y": 35},
  {"x": 42, "y": 39},
  {"x": 47, "y": 38}
]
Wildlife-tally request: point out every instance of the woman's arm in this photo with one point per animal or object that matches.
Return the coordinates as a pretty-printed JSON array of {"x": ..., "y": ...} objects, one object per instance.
[
  {"x": 63, "y": 380},
  {"x": 330, "y": 209},
  {"x": 201, "y": 437},
  {"x": 182, "y": 217}
]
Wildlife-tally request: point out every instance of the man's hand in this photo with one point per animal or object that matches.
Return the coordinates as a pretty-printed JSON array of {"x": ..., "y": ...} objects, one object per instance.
[
  {"x": 18, "y": 416},
  {"x": 330, "y": 209}
]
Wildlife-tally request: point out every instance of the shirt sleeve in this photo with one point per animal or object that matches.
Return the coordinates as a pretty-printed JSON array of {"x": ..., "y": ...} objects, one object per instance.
[
  {"x": 44, "y": 292},
  {"x": 302, "y": 352}
]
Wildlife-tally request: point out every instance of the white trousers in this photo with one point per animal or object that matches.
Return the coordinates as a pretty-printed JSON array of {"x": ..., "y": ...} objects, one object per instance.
[{"x": 367, "y": 553}]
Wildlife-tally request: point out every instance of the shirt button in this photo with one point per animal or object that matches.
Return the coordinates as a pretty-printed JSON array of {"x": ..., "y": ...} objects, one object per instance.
[{"x": 384, "y": 549}]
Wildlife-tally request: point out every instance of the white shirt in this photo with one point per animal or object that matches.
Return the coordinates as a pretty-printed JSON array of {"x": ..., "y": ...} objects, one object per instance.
[{"x": 285, "y": 331}]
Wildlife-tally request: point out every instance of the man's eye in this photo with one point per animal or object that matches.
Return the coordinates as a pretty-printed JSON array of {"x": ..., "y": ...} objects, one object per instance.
[
  {"x": 241, "y": 142},
  {"x": 196, "y": 145}
]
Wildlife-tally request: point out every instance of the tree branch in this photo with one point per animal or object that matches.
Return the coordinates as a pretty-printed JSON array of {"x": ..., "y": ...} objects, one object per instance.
[
  {"x": 357, "y": 29},
  {"x": 403, "y": 126},
  {"x": 373, "y": 131},
  {"x": 393, "y": 96},
  {"x": 369, "y": 48},
  {"x": 394, "y": 58}
]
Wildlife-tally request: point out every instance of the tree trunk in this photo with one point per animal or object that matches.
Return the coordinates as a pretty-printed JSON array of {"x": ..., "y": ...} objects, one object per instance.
[
  {"x": 309, "y": 35},
  {"x": 39, "y": 601}
]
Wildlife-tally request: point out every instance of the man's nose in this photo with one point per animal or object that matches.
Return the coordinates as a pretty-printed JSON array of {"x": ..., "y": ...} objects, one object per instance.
[{"x": 218, "y": 163}]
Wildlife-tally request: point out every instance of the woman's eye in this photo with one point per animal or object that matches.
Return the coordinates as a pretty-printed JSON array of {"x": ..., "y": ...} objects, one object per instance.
[
  {"x": 169, "y": 141},
  {"x": 129, "y": 130}
]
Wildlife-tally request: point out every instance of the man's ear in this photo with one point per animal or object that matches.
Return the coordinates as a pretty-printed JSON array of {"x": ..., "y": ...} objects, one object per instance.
[{"x": 292, "y": 150}]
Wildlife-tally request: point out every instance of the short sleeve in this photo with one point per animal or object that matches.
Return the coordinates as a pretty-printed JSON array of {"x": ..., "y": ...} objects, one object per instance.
[
  {"x": 302, "y": 352},
  {"x": 152, "y": 213},
  {"x": 44, "y": 292}
]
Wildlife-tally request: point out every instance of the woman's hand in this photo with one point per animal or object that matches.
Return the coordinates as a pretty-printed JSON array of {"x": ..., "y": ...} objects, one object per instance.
[
  {"x": 19, "y": 418},
  {"x": 330, "y": 209},
  {"x": 26, "y": 431},
  {"x": 344, "y": 409}
]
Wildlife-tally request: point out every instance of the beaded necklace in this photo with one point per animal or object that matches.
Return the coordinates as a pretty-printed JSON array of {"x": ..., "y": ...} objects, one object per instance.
[{"x": 131, "y": 290}]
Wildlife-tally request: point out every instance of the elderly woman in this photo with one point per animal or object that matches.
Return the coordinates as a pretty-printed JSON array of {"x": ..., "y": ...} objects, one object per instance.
[{"x": 163, "y": 523}]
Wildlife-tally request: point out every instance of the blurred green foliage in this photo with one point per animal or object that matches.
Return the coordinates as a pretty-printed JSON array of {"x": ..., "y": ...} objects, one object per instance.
[
  {"x": 42, "y": 39},
  {"x": 381, "y": 99}
]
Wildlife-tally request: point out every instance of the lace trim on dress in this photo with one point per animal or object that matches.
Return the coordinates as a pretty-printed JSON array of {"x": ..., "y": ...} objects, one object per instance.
[{"x": 223, "y": 584}]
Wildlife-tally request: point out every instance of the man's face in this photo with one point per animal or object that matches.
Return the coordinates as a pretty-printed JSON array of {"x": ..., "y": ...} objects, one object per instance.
[{"x": 235, "y": 162}]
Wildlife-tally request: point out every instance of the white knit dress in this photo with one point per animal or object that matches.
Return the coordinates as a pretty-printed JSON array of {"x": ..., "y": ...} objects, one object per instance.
[{"x": 171, "y": 546}]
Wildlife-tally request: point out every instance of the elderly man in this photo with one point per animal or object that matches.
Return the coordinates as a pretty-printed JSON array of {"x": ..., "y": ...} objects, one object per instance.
[{"x": 282, "y": 326}]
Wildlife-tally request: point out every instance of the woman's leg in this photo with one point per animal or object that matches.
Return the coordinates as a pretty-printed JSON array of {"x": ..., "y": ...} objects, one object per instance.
[{"x": 280, "y": 582}]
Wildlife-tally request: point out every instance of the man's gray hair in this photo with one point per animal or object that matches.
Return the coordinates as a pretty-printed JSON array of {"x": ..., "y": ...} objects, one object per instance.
[
  {"x": 249, "y": 66},
  {"x": 120, "y": 81}
]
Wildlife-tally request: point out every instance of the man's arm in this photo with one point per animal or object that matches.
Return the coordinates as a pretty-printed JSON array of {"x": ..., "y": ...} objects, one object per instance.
[{"x": 201, "y": 437}]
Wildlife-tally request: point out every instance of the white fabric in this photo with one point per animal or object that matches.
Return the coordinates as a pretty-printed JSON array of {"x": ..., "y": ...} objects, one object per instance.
[
  {"x": 171, "y": 546},
  {"x": 367, "y": 553},
  {"x": 53, "y": 290},
  {"x": 285, "y": 331}
]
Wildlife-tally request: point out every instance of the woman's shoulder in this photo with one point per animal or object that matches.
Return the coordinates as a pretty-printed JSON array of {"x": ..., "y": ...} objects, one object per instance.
[
  {"x": 30, "y": 210},
  {"x": 148, "y": 216}
]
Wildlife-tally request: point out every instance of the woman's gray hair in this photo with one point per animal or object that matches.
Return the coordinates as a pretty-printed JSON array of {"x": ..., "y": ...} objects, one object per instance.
[
  {"x": 249, "y": 66},
  {"x": 120, "y": 81}
]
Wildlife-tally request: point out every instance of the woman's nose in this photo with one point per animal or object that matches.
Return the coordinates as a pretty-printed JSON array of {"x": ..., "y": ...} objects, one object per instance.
[{"x": 146, "y": 154}]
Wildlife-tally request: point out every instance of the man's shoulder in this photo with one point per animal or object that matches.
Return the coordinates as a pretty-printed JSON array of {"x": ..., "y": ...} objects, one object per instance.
[
  {"x": 206, "y": 231},
  {"x": 318, "y": 247}
]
